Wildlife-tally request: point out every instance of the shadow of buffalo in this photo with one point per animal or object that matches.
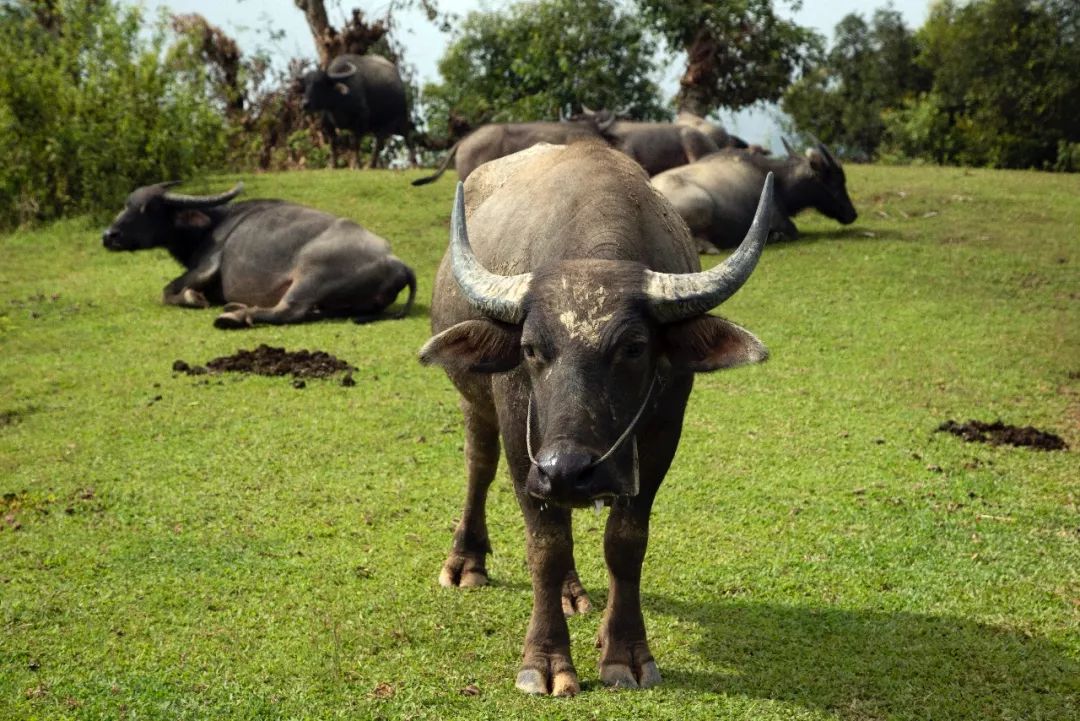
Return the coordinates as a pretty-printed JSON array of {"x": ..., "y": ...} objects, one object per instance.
[{"x": 870, "y": 664}]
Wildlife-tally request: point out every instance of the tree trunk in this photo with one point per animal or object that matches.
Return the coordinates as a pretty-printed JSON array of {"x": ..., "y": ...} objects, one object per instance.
[
  {"x": 315, "y": 12},
  {"x": 698, "y": 83}
]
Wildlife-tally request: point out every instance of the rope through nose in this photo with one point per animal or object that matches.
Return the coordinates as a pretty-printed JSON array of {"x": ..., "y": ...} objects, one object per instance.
[{"x": 618, "y": 442}]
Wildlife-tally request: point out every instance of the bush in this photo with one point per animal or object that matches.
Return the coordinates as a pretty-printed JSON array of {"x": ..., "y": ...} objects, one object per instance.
[{"x": 88, "y": 110}]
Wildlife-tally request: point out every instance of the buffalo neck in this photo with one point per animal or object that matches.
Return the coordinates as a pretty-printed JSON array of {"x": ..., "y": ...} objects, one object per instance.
[{"x": 188, "y": 244}]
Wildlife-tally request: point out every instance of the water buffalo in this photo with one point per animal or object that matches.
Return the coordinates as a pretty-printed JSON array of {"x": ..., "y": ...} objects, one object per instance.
[
  {"x": 716, "y": 195},
  {"x": 498, "y": 140},
  {"x": 578, "y": 347},
  {"x": 715, "y": 133},
  {"x": 360, "y": 93},
  {"x": 267, "y": 260},
  {"x": 655, "y": 146}
]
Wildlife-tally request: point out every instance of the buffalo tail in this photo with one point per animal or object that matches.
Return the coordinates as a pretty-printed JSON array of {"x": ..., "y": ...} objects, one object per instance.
[{"x": 442, "y": 168}]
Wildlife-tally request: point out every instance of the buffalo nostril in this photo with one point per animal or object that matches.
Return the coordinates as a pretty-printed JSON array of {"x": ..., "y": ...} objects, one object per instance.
[{"x": 564, "y": 468}]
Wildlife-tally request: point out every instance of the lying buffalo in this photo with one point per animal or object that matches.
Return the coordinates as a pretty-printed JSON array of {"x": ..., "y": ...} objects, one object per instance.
[
  {"x": 655, "y": 146},
  {"x": 580, "y": 353},
  {"x": 716, "y": 133},
  {"x": 716, "y": 195},
  {"x": 498, "y": 140},
  {"x": 359, "y": 93},
  {"x": 267, "y": 260}
]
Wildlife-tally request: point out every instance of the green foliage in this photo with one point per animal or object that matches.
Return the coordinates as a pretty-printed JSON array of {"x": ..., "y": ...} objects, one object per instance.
[
  {"x": 536, "y": 59},
  {"x": 739, "y": 53},
  {"x": 869, "y": 72},
  {"x": 1005, "y": 76},
  {"x": 88, "y": 110},
  {"x": 230, "y": 547}
]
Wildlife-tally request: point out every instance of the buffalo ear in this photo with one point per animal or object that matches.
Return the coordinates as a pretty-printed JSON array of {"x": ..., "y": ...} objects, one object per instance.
[
  {"x": 708, "y": 343},
  {"x": 480, "y": 346},
  {"x": 342, "y": 88},
  {"x": 817, "y": 161},
  {"x": 192, "y": 219}
]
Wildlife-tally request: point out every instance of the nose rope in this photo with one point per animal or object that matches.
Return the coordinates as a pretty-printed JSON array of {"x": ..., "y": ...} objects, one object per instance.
[{"x": 621, "y": 439}]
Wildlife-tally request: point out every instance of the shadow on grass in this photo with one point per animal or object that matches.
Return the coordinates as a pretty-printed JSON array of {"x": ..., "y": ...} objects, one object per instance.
[
  {"x": 851, "y": 232},
  {"x": 868, "y": 664}
]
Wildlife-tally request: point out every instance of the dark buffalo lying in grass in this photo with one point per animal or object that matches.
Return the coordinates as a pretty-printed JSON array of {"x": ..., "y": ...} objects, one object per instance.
[
  {"x": 497, "y": 140},
  {"x": 269, "y": 261},
  {"x": 580, "y": 353},
  {"x": 655, "y": 146},
  {"x": 717, "y": 195},
  {"x": 359, "y": 93}
]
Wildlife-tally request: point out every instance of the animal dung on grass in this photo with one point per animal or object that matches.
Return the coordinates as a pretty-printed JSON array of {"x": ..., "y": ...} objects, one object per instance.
[
  {"x": 269, "y": 361},
  {"x": 998, "y": 433}
]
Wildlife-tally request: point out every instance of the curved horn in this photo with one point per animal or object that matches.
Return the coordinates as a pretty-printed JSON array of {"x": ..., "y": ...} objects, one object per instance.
[
  {"x": 787, "y": 146},
  {"x": 496, "y": 296},
  {"x": 676, "y": 296},
  {"x": 202, "y": 201},
  {"x": 347, "y": 69},
  {"x": 824, "y": 151}
]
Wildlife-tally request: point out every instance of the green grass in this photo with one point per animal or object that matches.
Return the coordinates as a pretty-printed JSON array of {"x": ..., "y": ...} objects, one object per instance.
[{"x": 240, "y": 549}]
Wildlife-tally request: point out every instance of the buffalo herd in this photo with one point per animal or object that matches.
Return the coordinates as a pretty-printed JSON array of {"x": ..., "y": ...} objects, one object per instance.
[{"x": 570, "y": 312}]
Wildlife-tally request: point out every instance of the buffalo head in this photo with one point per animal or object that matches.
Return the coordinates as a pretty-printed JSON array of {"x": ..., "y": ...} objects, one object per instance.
[
  {"x": 152, "y": 215},
  {"x": 828, "y": 191},
  {"x": 594, "y": 343},
  {"x": 322, "y": 88}
]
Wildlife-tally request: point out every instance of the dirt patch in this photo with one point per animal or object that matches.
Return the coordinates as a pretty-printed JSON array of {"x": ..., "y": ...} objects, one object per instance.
[
  {"x": 998, "y": 433},
  {"x": 269, "y": 361}
]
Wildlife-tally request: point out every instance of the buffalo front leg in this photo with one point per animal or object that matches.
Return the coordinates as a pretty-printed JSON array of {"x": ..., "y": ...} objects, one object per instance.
[
  {"x": 465, "y": 566},
  {"x": 187, "y": 290},
  {"x": 546, "y": 666},
  {"x": 625, "y": 659}
]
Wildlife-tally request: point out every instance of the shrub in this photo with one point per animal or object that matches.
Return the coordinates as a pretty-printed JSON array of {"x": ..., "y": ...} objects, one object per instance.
[{"x": 88, "y": 109}]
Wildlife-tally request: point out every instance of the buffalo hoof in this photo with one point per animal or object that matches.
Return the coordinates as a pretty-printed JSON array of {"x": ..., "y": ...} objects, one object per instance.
[
  {"x": 463, "y": 572},
  {"x": 574, "y": 598},
  {"x": 194, "y": 299},
  {"x": 233, "y": 320},
  {"x": 617, "y": 675},
  {"x": 541, "y": 683}
]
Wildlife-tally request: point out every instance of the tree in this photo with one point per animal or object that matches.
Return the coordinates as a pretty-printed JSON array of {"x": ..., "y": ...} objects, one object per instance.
[
  {"x": 869, "y": 71},
  {"x": 89, "y": 110},
  {"x": 1005, "y": 84},
  {"x": 535, "y": 60},
  {"x": 738, "y": 53}
]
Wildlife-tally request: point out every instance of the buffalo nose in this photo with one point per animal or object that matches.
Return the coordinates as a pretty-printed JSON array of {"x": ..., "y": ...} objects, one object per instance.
[
  {"x": 564, "y": 468},
  {"x": 109, "y": 236}
]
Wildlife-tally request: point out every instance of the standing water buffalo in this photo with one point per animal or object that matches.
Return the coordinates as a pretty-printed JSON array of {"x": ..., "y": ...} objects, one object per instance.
[
  {"x": 716, "y": 195},
  {"x": 580, "y": 352},
  {"x": 498, "y": 140},
  {"x": 269, "y": 261},
  {"x": 360, "y": 93}
]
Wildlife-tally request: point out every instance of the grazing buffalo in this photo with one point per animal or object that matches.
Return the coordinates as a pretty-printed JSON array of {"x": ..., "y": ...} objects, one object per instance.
[
  {"x": 360, "y": 93},
  {"x": 269, "y": 261},
  {"x": 497, "y": 140},
  {"x": 716, "y": 195},
  {"x": 571, "y": 313}
]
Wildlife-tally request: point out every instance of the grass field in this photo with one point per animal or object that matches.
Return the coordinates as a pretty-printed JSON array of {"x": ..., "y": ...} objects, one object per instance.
[{"x": 223, "y": 547}]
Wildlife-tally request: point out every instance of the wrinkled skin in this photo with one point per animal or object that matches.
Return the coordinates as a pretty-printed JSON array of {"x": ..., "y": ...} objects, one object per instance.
[
  {"x": 268, "y": 261},
  {"x": 585, "y": 222},
  {"x": 497, "y": 140},
  {"x": 717, "y": 195},
  {"x": 371, "y": 100}
]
